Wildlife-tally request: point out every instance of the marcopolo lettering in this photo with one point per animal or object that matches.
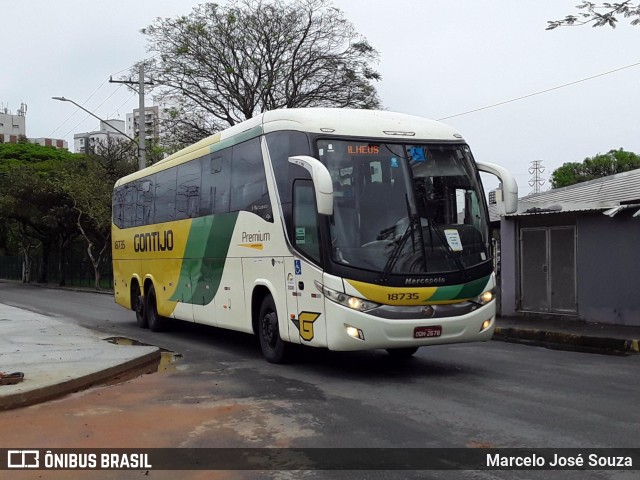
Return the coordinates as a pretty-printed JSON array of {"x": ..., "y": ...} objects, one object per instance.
[
  {"x": 153, "y": 241},
  {"x": 425, "y": 281}
]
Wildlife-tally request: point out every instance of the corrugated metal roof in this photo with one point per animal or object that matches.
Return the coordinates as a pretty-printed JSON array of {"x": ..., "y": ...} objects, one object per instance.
[
  {"x": 595, "y": 195},
  {"x": 622, "y": 187}
]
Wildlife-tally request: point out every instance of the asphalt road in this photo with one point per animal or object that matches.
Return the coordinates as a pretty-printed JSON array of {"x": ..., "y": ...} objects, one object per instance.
[{"x": 493, "y": 394}]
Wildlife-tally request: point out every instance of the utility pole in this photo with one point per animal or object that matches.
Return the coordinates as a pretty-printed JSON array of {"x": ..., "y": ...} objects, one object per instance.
[
  {"x": 142, "y": 140},
  {"x": 536, "y": 170}
]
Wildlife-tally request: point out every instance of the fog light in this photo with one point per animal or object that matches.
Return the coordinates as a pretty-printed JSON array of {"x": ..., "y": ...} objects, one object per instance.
[
  {"x": 354, "y": 332},
  {"x": 486, "y": 324}
]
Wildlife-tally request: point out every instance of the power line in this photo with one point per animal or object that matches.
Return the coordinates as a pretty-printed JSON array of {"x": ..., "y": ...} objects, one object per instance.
[
  {"x": 76, "y": 111},
  {"x": 95, "y": 108},
  {"x": 540, "y": 92}
]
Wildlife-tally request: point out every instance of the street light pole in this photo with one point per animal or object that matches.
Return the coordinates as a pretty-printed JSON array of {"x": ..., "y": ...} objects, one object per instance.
[{"x": 63, "y": 99}]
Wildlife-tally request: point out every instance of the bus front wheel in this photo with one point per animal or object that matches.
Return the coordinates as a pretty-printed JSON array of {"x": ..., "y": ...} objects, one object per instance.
[
  {"x": 157, "y": 323},
  {"x": 273, "y": 347}
]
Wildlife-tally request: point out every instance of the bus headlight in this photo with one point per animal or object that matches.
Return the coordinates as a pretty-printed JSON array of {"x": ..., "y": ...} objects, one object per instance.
[
  {"x": 485, "y": 298},
  {"x": 354, "y": 303}
]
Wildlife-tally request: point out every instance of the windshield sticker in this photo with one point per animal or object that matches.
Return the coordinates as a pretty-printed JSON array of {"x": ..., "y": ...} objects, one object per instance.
[
  {"x": 394, "y": 163},
  {"x": 453, "y": 239},
  {"x": 417, "y": 154},
  {"x": 301, "y": 235}
]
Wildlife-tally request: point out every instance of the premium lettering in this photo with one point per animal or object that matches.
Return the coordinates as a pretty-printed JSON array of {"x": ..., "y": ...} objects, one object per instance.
[
  {"x": 255, "y": 237},
  {"x": 153, "y": 241}
]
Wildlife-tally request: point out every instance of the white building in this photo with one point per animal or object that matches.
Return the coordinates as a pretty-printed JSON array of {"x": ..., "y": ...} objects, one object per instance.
[
  {"x": 12, "y": 126},
  {"x": 50, "y": 142},
  {"x": 153, "y": 116},
  {"x": 109, "y": 129},
  {"x": 151, "y": 123}
]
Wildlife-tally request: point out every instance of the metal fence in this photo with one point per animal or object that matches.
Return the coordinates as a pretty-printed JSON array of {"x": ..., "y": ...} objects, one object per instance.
[{"x": 77, "y": 269}]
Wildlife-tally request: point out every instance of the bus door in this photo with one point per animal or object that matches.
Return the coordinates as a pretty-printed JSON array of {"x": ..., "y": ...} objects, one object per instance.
[{"x": 308, "y": 308}]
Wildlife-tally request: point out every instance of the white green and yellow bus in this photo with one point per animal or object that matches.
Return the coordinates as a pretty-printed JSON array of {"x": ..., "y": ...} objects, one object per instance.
[{"x": 335, "y": 228}]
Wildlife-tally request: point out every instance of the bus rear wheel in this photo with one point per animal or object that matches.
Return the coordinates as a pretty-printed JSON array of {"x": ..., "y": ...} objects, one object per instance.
[
  {"x": 138, "y": 307},
  {"x": 157, "y": 323},
  {"x": 274, "y": 349},
  {"x": 406, "y": 352}
]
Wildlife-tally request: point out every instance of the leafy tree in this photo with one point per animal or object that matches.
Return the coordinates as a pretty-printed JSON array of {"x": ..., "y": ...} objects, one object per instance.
[
  {"x": 598, "y": 166},
  {"x": 224, "y": 64},
  {"x": 89, "y": 184},
  {"x": 600, "y": 15},
  {"x": 37, "y": 213}
]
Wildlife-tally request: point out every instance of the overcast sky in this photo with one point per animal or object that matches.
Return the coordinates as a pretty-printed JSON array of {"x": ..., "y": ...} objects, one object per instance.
[{"x": 438, "y": 59}]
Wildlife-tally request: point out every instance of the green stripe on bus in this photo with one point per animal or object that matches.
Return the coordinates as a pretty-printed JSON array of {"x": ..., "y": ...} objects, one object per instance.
[
  {"x": 461, "y": 292},
  {"x": 204, "y": 258}
]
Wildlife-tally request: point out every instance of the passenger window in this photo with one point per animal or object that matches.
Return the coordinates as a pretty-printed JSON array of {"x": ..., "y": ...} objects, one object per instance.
[
  {"x": 147, "y": 200},
  {"x": 129, "y": 206},
  {"x": 118, "y": 207},
  {"x": 248, "y": 181},
  {"x": 188, "y": 190},
  {"x": 216, "y": 179},
  {"x": 165, "y": 200},
  {"x": 305, "y": 225}
]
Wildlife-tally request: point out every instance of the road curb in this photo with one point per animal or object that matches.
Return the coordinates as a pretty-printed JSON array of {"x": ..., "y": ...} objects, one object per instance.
[
  {"x": 146, "y": 363},
  {"x": 568, "y": 341}
]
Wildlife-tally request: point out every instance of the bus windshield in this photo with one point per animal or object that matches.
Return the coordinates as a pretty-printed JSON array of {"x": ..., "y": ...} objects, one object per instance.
[{"x": 405, "y": 208}]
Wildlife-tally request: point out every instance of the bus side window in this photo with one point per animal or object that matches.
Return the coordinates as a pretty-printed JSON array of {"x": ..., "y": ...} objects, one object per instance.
[
  {"x": 188, "y": 190},
  {"x": 165, "y": 198},
  {"x": 129, "y": 210},
  {"x": 216, "y": 178},
  {"x": 117, "y": 207},
  {"x": 138, "y": 218},
  {"x": 305, "y": 224},
  {"x": 147, "y": 199},
  {"x": 248, "y": 181}
]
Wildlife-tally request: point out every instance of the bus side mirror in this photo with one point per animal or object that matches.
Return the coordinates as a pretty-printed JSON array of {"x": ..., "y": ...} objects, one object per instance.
[
  {"x": 507, "y": 194},
  {"x": 322, "y": 183}
]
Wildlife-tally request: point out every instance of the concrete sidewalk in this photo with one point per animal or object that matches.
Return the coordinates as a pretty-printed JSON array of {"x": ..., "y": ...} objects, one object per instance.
[{"x": 58, "y": 358}]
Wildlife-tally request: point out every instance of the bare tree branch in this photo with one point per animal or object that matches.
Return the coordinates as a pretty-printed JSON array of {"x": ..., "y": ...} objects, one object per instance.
[{"x": 225, "y": 64}]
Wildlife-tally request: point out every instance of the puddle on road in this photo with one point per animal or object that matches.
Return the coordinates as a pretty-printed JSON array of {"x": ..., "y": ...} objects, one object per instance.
[{"x": 167, "y": 357}]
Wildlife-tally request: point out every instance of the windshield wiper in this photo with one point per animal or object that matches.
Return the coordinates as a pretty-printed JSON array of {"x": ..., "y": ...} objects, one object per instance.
[{"x": 395, "y": 254}]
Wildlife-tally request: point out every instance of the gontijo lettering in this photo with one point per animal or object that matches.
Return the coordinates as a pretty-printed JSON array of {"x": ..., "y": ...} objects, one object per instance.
[{"x": 153, "y": 241}]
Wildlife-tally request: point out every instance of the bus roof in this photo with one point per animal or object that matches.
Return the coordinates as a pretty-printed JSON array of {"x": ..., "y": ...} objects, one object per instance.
[{"x": 377, "y": 124}]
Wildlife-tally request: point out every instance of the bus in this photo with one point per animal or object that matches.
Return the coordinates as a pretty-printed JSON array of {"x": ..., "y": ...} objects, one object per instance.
[{"x": 337, "y": 228}]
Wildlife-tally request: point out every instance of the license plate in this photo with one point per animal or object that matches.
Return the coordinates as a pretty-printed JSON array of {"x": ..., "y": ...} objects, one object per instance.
[{"x": 427, "y": 332}]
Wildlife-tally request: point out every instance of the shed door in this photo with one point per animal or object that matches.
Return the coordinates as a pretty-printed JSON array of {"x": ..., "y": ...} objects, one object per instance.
[{"x": 548, "y": 269}]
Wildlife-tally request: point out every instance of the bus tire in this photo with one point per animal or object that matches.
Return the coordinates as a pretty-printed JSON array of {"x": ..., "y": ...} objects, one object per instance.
[
  {"x": 274, "y": 349},
  {"x": 406, "y": 352},
  {"x": 138, "y": 307},
  {"x": 157, "y": 323}
]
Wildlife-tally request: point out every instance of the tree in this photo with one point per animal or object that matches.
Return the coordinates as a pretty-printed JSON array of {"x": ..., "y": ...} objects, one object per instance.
[
  {"x": 89, "y": 184},
  {"x": 598, "y": 166},
  {"x": 600, "y": 15},
  {"x": 224, "y": 64},
  {"x": 37, "y": 213}
]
